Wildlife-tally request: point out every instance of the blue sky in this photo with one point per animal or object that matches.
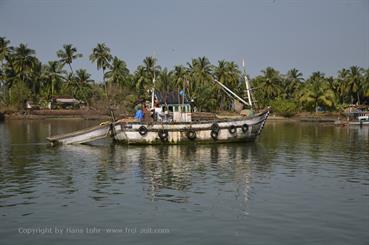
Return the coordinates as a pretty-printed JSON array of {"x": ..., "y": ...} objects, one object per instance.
[{"x": 310, "y": 35}]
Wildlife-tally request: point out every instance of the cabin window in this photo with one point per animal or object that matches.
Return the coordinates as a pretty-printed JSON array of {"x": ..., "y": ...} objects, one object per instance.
[
  {"x": 176, "y": 108},
  {"x": 170, "y": 108}
]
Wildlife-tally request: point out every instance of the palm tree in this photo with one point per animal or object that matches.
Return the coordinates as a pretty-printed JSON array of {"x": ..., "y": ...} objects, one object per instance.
[
  {"x": 294, "y": 80},
  {"x": 118, "y": 73},
  {"x": 200, "y": 76},
  {"x": 366, "y": 83},
  {"x": 180, "y": 75},
  {"x": 165, "y": 82},
  {"x": 317, "y": 92},
  {"x": 341, "y": 86},
  {"x": 354, "y": 83},
  {"x": 269, "y": 84},
  {"x": 101, "y": 55},
  {"x": 140, "y": 78},
  {"x": 150, "y": 67},
  {"x": 53, "y": 75},
  {"x": 80, "y": 85},
  {"x": 36, "y": 78},
  {"x": 23, "y": 63},
  {"x": 5, "y": 51},
  {"x": 67, "y": 55},
  {"x": 201, "y": 69},
  {"x": 228, "y": 74}
]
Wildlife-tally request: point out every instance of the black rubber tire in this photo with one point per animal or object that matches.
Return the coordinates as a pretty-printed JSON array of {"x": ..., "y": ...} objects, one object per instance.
[
  {"x": 163, "y": 134},
  {"x": 142, "y": 130},
  {"x": 191, "y": 134},
  {"x": 214, "y": 134},
  {"x": 215, "y": 127},
  {"x": 245, "y": 128},
  {"x": 232, "y": 129}
]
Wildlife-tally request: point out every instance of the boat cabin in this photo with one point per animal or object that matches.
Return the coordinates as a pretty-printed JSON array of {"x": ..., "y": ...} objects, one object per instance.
[
  {"x": 172, "y": 107},
  {"x": 363, "y": 118}
]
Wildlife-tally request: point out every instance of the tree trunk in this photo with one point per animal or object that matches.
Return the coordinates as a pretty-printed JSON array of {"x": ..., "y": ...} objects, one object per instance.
[
  {"x": 316, "y": 107},
  {"x": 52, "y": 88},
  {"x": 358, "y": 97},
  {"x": 70, "y": 66},
  {"x": 106, "y": 87}
]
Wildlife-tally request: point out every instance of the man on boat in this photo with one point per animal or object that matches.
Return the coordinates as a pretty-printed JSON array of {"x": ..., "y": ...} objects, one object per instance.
[{"x": 139, "y": 114}]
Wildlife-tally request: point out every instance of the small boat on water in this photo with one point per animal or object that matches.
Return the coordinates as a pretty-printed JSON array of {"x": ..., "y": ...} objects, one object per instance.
[
  {"x": 359, "y": 118},
  {"x": 172, "y": 123}
]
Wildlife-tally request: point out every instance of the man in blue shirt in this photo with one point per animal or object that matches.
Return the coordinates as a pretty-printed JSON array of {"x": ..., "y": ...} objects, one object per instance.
[{"x": 139, "y": 115}]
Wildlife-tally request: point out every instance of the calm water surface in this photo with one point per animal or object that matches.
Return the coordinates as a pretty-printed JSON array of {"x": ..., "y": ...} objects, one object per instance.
[{"x": 297, "y": 184}]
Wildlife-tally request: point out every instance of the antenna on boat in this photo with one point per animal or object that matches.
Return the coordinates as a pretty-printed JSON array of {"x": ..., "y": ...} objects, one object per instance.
[{"x": 247, "y": 84}]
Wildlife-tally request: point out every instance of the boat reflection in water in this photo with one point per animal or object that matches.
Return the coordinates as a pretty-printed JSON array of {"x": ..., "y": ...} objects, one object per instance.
[{"x": 171, "y": 173}]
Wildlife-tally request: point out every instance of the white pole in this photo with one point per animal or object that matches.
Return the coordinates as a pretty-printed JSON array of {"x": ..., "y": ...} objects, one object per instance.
[
  {"x": 247, "y": 84},
  {"x": 231, "y": 92},
  {"x": 153, "y": 87}
]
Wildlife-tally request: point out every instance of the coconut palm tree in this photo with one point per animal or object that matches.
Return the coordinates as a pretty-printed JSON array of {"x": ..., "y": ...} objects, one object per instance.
[
  {"x": 80, "y": 85},
  {"x": 180, "y": 75},
  {"x": 294, "y": 81},
  {"x": 23, "y": 62},
  {"x": 317, "y": 93},
  {"x": 118, "y": 73},
  {"x": 354, "y": 83},
  {"x": 201, "y": 69},
  {"x": 181, "y": 79},
  {"x": 150, "y": 67},
  {"x": 67, "y": 55},
  {"x": 228, "y": 74},
  {"x": 5, "y": 51},
  {"x": 101, "y": 55},
  {"x": 200, "y": 77},
  {"x": 165, "y": 83},
  {"x": 341, "y": 85},
  {"x": 366, "y": 83},
  {"x": 269, "y": 84},
  {"x": 53, "y": 76}
]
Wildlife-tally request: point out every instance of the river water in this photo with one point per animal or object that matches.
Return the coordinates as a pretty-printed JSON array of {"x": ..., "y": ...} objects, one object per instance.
[{"x": 297, "y": 184}]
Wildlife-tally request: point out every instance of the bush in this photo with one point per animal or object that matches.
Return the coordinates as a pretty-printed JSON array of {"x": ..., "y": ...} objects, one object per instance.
[
  {"x": 18, "y": 94},
  {"x": 282, "y": 107}
]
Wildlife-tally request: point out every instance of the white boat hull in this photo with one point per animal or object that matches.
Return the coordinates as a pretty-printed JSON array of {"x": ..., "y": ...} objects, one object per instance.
[
  {"x": 178, "y": 133},
  {"x": 237, "y": 130},
  {"x": 81, "y": 136}
]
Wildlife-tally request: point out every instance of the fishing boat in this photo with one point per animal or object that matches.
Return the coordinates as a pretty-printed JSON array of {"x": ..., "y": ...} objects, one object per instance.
[
  {"x": 358, "y": 117},
  {"x": 173, "y": 123}
]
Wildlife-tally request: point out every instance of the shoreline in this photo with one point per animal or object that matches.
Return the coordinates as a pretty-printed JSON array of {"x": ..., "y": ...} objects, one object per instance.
[
  {"x": 55, "y": 114},
  {"x": 322, "y": 117}
]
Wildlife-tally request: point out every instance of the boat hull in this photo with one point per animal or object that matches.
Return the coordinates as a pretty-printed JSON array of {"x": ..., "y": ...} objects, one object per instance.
[
  {"x": 81, "y": 136},
  {"x": 237, "y": 130}
]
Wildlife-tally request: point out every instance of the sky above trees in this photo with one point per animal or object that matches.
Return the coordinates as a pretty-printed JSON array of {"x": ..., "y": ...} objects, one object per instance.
[{"x": 309, "y": 35}]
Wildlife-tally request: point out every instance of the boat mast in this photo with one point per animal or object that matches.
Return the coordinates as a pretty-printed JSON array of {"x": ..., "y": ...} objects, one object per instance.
[
  {"x": 247, "y": 84},
  {"x": 153, "y": 86}
]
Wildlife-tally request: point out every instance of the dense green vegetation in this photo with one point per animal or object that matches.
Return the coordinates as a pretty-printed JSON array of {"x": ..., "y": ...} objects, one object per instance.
[{"x": 24, "y": 77}]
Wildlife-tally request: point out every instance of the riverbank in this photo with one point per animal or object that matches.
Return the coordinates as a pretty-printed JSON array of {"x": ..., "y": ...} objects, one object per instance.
[
  {"x": 56, "y": 114},
  {"x": 299, "y": 117},
  {"x": 99, "y": 115},
  {"x": 323, "y": 117}
]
